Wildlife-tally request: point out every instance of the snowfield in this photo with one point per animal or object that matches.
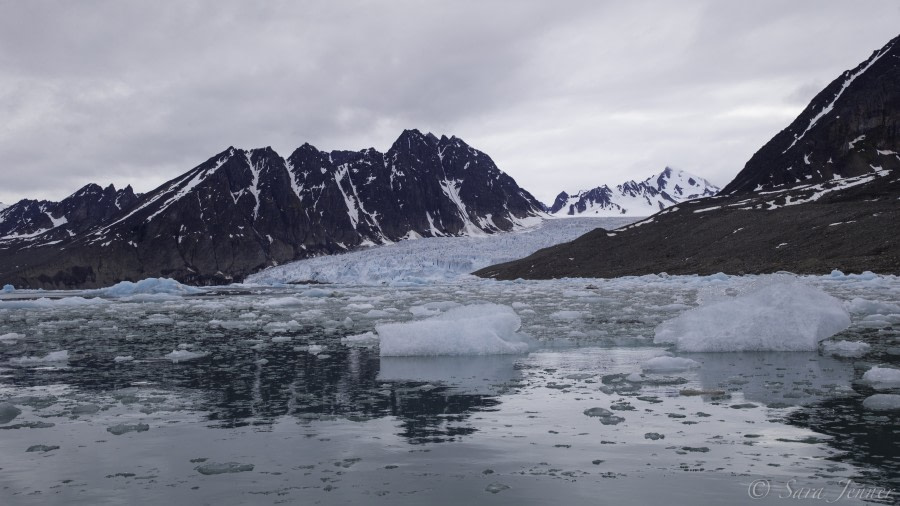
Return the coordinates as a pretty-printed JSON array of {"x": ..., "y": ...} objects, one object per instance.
[{"x": 433, "y": 259}]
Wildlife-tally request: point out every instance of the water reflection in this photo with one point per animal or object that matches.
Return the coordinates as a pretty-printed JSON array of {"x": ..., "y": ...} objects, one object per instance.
[
  {"x": 238, "y": 384},
  {"x": 775, "y": 379}
]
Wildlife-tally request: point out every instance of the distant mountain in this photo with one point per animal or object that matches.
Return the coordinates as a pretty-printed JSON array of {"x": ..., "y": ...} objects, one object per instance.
[
  {"x": 851, "y": 128},
  {"x": 28, "y": 221},
  {"x": 241, "y": 211},
  {"x": 644, "y": 198},
  {"x": 821, "y": 195}
]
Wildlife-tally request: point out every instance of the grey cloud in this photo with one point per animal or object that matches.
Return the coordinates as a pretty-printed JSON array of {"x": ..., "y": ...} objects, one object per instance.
[{"x": 563, "y": 95}]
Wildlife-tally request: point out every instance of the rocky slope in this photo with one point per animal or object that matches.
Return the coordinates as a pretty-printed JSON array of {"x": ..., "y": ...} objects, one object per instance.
[
  {"x": 241, "y": 211},
  {"x": 821, "y": 195},
  {"x": 633, "y": 198}
]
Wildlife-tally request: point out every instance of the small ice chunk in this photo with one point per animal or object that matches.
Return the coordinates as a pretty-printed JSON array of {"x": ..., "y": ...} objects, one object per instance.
[
  {"x": 184, "y": 355},
  {"x": 281, "y": 339},
  {"x": 566, "y": 315},
  {"x": 669, "y": 364},
  {"x": 865, "y": 306},
  {"x": 42, "y": 448},
  {"x": 11, "y": 337},
  {"x": 882, "y": 378},
  {"x": 367, "y": 338},
  {"x": 222, "y": 468},
  {"x": 54, "y": 356},
  {"x": 317, "y": 292},
  {"x": 495, "y": 488},
  {"x": 634, "y": 377},
  {"x": 85, "y": 409},
  {"x": 849, "y": 349},
  {"x": 779, "y": 316},
  {"x": 882, "y": 402},
  {"x": 481, "y": 329},
  {"x": 123, "y": 358},
  {"x": 122, "y": 428}
]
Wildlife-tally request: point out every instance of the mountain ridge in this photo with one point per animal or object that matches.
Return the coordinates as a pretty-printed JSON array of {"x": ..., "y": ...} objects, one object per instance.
[
  {"x": 243, "y": 210},
  {"x": 633, "y": 198}
]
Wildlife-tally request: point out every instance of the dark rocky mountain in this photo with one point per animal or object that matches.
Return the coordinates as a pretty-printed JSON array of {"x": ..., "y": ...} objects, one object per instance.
[
  {"x": 241, "y": 211},
  {"x": 633, "y": 198},
  {"x": 849, "y": 129},
  {"x": 821, "y": 195},
  {"x": 34, "y": 222}
]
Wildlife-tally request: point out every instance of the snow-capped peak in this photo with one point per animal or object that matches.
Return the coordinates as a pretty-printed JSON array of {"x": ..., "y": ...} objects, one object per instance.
[{"x": 633, "y": 198}]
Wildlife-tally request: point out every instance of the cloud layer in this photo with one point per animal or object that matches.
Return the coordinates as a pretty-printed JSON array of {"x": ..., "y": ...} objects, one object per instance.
[{"x": 563, "y": 95}]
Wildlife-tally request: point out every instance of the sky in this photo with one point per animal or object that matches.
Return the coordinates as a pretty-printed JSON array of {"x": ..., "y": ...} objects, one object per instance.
[{"x": 563, "y": 95}]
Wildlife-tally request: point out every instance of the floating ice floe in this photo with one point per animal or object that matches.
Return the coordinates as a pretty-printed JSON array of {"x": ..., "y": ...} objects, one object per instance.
[
  {"x": 781, "y": 315},
  {"x": 865, "y": 306},
  {"x": 364, "y": 339},
  {"x": 149, "y": 286},
  {"x": 11, "y": 338},
  {"x": 184, "y": 355},
  {"x": 54, "y": 356},
  {"x": 882, "y": 402},
  {"x": 849, "y": 349},
  {"x": 882, "y": 378},
  {"x": 483, "y": 329},
  {"x": 668, "y": 364},
  {"x": 123, "y": 358}
]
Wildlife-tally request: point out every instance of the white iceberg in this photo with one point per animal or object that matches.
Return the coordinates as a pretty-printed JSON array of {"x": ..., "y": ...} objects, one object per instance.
[
  {"x": 778, "y": 316},
  {"x": 482, "y": 329},
  {"x": 149, "y": 286}
]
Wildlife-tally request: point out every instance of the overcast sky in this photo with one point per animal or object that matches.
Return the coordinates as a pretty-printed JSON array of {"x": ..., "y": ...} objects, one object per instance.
[{"x": 563, "y": 95}]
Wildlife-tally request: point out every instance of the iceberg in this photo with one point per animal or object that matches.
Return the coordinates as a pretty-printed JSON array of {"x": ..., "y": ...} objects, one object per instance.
[
  {"x": 780, "y": 315},
  {"x": 481, "y": 329},
  {"x": 149, "y": 286},
  {"x": 882, "y": 402},
  {"x": 848, "y": 349}
]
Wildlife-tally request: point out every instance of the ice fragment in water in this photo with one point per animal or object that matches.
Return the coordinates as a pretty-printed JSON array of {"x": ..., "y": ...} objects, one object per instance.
[
  {"x": 779, "y": 316},
  {"x": 148, "y": 286},
  {"x": 54, "y": 356},
  {"x": 882, "y": 402},
  {"x": 224, "y": 467},
  {"x": 184, "y": 355},
  {"x": 882, "y": 378},
  {"x": 122, "y": 428},
  {"x": 482, "y": 329},
  {"x": 669, "y": 364},
  {"x": 850, "y": 349}
]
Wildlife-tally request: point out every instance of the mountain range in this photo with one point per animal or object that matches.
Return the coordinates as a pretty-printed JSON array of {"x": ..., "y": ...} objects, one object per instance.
[
  {"x": 822, "y": 194},
  {"x": 243, "y": 210},
  {"x": 633, "y": 198}
]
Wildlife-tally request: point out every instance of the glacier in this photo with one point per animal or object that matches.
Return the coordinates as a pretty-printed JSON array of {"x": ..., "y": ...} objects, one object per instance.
[{"x": 432, "y": 259}]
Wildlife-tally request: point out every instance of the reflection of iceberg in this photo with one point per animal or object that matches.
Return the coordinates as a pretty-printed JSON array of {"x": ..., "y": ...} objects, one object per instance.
[
  {"x": 475, "y": 375},
  {"x": 776, "y": 378}
]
